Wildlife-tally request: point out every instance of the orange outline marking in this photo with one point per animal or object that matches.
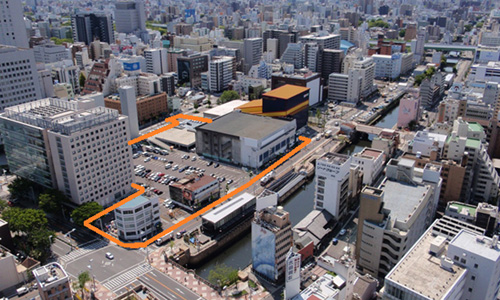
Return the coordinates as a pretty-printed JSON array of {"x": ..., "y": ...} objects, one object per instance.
[{"x": 173, "y": 122}]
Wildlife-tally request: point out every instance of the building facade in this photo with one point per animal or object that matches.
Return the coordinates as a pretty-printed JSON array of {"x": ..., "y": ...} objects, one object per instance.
[
  {"x": 53, "y": 282},
  {"x": 138, "y": 218},
  {"x": 88, "y": 27},
  {"x": 13, "y": 30}
]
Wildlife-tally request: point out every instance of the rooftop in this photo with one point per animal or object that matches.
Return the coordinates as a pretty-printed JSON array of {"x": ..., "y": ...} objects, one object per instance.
[
  {"x": 50, "y": 273},
  {"x": 286, "y": 92},
  {"x": 137, "y": 201},
  {"x": 336, "y": 158},
  {"x": 225, "y": 108},
  {"x": 462, "y": 208},
  {"x": 228, "y": 207},
  {"x": 473, "y": 143},
  {"x": 245, "y": 125},
  {"x": 414, "y": 268},
  {"x": 476, "y": 127},
  {"x": 402, "y": 208},
  {"x": 480, "y": 247},
  {"x": 370, "y": 152},
  {"x": 194, "y": 182}
]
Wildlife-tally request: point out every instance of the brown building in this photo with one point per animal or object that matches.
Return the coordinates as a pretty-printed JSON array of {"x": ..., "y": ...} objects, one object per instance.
[
  {"x": 195, "y": 192},
  {"x": 97, "y": 77},
  {"x": 183, "y": 29},
  {"x": 148, "y": 107},
  {"x": 53, "y": 282},
  {"x": 411, "y": 31},
  {"x": 385, "y": 47}
]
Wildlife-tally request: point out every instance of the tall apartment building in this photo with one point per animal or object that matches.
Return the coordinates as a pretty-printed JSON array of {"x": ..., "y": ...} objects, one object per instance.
[
  {"x": 331, "y": 62},
  {"x": 323, "y": 39},
  {"x": 466, "y": 145},
  {"x": 23, "y": 84},
  {"x": 156, "y": 61},
  {"x": 366, "y": 68},
  {"x": 88, "y": 27},
  {"x": 13, "y": 30},
  {"x": 53, "y": 282},
  {"x": 221, "y": 70},
  {"x": 294, "y": 55},
  {"x": 252, "y": 53},
  {"x": 271, "y": 241},
  {"x": 74, "y": 146},
  {"x": 345, "y": 87},
  {"x": 464, "y": 266},
  {"x": 371, "y": 162},
  {"x": 388, "y": 227},
  {"x": 189, "y": 69},
  {"x": 130, "y": 16},
  {"x": 137, "y": 218},
  {"x": 332, "y": 184},
  {"x": 50, "y": 53},
  {"x": 419, "y": 46}
]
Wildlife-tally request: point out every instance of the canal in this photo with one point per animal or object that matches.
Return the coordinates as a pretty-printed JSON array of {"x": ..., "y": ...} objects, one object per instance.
[{"x": 239, "y": 255}]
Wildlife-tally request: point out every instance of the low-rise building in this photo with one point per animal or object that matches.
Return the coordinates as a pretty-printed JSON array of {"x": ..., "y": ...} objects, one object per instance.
[
  {"x": 195, "y": 192},
  {"x": 138, "y": 218},
  {"x": 53, "y": 282},
  {"x": 483, "y": 215}
]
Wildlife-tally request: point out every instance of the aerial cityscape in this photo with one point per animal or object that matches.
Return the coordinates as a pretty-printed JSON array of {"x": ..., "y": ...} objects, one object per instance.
[{"x": 249, "y": 149}]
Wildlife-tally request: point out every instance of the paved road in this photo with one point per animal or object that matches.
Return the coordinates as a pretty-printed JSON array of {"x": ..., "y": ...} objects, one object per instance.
[{"x": 167, "y": 288}]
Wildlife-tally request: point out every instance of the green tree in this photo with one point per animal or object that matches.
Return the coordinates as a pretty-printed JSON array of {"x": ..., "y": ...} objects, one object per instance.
[
  {"x": 378, "y": 23},
  {"x": 51, "y": 201},
  {"x": 38, "y": 242},
  {"x": 83, "y": 278},
  {"x": 468, "y": 27},
  {"x": 228, "y": 96},
  {"x": 24, "y": 220},
  {"x": 3, "y": 205},
  {"x": 223, "y": 275},
  {"x": 402, "y": 33},
  {"x": 18, "y": 188},
  {"x": 85, "y": 211},
  {"x": 58, "y": 41},
  {"x": 479, "y": 25},
  {"x": 82, "y": 80},
  {"x": 209, "y": 103}
]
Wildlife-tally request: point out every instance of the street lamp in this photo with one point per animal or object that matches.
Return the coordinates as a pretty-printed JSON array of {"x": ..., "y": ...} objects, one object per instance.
[
  {"x": 69, "y": 235},
  {"x": 91, "y": 272}
]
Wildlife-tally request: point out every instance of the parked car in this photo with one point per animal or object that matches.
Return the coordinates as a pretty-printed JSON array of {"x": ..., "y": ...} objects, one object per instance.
[
  {"x": 342, "y": 232},
  {"x": 147, "y": 159},
  {"x": 216, "y": 165},
  {"x": 22, "y": 290},
  {"x": 109, "y": 255}
]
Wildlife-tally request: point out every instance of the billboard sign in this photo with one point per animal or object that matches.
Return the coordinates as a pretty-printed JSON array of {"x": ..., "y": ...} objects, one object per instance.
[
  {"x": 263, "y": 252},
  {"x": 131, "y": 66}
]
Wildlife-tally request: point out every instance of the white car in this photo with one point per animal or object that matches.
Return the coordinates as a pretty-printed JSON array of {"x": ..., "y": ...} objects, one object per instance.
[
  {"x": 147, "y": 159},
  {"x": 342, "y": 232},
  {"x": 22, "y": 290},
  {"x": 109, "y": 255}
]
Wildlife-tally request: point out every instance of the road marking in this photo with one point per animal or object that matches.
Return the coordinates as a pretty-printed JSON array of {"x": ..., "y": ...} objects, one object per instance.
[
  {"x": 147, "y": 275},
  {"x": 180, "y": 291}
]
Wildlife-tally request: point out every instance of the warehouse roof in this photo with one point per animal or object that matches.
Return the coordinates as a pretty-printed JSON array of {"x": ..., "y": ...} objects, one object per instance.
[
  {"x": 228, "y": 208},
  {"x": 286, "y": 92},
  {"x": 245, "y": 125}
]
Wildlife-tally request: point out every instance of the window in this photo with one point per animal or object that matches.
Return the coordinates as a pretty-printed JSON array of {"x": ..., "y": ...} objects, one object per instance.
[{"x": 475, "y": 266}]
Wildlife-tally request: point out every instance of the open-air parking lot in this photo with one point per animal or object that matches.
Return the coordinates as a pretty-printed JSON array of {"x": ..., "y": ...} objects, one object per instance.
[{"x": 156, "y": 169}]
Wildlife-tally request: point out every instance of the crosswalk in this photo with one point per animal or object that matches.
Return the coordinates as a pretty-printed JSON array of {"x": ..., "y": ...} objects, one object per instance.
[
  {"x": 83, "y": 250},
  {"x": 118, "y": 282}
]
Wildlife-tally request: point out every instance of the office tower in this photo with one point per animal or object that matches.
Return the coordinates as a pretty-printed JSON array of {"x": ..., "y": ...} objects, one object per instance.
[
  {"x": 331, "y": 62},
  {"x": 156, "y": 61},
  {"x": 172, "y": 55},
  {"x": 88, "y": 27},
  {"x": 73, "y": 146},
  {"x": 312, "y": 57},
  {"x": 284, "y": 40},
  {"x": 388, "y": 227},
  {"x": 387, "y": 66},
  {"x": 221, "y": 70},
  {"x": 271, "y": 241},
  {"x": 410, "y": 31},
  {"x": 18, "y": 65},
  {"x": 294, "y": 55},
  {"x": 52, "y": 282},
  {"x": 167, "y": 84},
  {"x": 189, "y": 69},
  {"x": 419, "y": 46},
  {"x": 292, "y": 279},
  {"x": 13, "y": 30},
  {"x": 129, "y": 108},
  {"x": 252, "y": 52},
  {"x": 367, "y": 7},
  {"x": 130, "y": 16},
  {"x": 345, "y": 87},
  {"x": 332, "y": 184},
  {"x": 272, "y": 47},
  {"x": 323, "y": 39},
  {"x": 50, "y": 53},
  {"x": 46, "y": 83}
]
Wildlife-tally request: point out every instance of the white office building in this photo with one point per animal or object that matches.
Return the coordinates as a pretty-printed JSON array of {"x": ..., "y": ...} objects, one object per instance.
[
  {"x": 23, "y": 84},
  {"x": 74, "y": 146},
  {"x": 366, "y": 69},
  {"x": 425, "y": 142},
  {"x": 324, "y": 39},
  {"x": 220, "y": 73},
  {"x": 371, "y": 162},
  {"x": 488, "y": 72},
  {"x": 13, "y": 30},
  {"x": 489, "y": 38},
  {"x": 292, "y": 274},
  {"x": 332, "y": 184},
  {"x": 156, "y": 61},
  {"x": 345, "y": 87},
  {"x": 387, "y": 66},
  {"x": 137, "y": 218},
  {"x": 50, "y": 53},
  {"x": 252, "y": 52}
]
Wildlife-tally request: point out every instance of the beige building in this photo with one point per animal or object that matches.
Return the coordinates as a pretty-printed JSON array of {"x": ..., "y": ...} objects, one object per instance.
[
  {"x": 199, "y": 44},
  {"x": 147, "y": 106},
  {"x": 53, "y": 282}
]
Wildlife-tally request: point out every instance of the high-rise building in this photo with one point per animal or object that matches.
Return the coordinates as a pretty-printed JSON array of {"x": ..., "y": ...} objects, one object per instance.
[
  {"x": 331, "y": 62},
  {"x": 156, "y": 61},
  {"x": 130, "y": 16},
  {"x": 332, "y": 184},
  {"x": 292, "y": 273},
  {"x": 345, "y": 87},
  {"x": 323, "y": 39},
  {"x": 294, "y": 55},
  {"x": 419, "y": 46},
  {"x": 221, "y": 70},
  {"x": 387, "y": 227},
  {"x": 88, "y": 27},
  {"x": 13, "y": 30},
  {"x": 53, "y": 282},
  {"x": 189, "y": 69},
  {"x": 371, "y": 162},
  {"x": 167, "y": 84},
  {"x": 129, "y": 108},
  {"x": 23, "y": 84},
  {"x": 252, "y": 53},
  {"x": 74, "y": 146},
  {"x": 271, "y": 241}
]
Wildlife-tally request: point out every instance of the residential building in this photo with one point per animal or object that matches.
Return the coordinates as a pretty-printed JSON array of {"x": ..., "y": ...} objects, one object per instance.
[
  {"x": 20, "y": 67},
  {"x": 323, "y": 39},
  {"x": 46, "y": 83},
  {"x": 100, "y": 77},
  {"x": 365, "y": 67},
  {"x": 56, "y": 147},
  {"x": 13, "y": 30},
  {"x": 167, "y": 83},
  {"x": 172, "y": 55},
  {"x": 371, "y": 162},
  {"x": 425, "y": 143},
  {"x": 324, "y": 288},
  {"x": 252, "y": 53},
  {"x": 345, "y": 87},
  {"x": 63, "y": 90},
  {"x": 387, "y": 66},
  {"x": 50, "y": 53},
  {"x": 294, "y": 55},
  {"x": 65, "y": 72},
  {"x": 483, "y": 215},
  {"x": 88, "y": 27},
  {"x": 195, "y": 192},
  {"x": 130, "y": 16},
  {"x": 53, "y": 282},
  {"x": 221, "y": 71},
  {"x": 489, "y": 38},
  {"x": 387, "y": 228},
  {"x": 271, "y": 241},
  {"x": 13, "y": 272},
  {"x": 409, "y": 111},
  {"x": 332, "y": 184},
  {"x": 229, "y": 139},
  {"x": 156, "y": 61},
  {"x": 331, "y": 62},
  {"x": 147, "y": 106},
  {"x": 189, "y": 69},
  {"x": 138, "y": 218}
]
